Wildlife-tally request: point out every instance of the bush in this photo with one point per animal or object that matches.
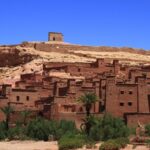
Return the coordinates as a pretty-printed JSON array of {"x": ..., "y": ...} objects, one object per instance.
[
  {"x": 122, "y": 141},
  {"x": 17, "y": 133},
  {"x": 41, "y": 129},
  {"x": 95, "y": 133},
  {"x": 70, "y": 141},
  {"x": 147, "y": 128},
  {"x": 58, "y": 129},
  {"x": 110, "y": 145},
  {"x": 109, "y": 128},
  {"x": 113, "y": 128},
  {"x": 38, "y": 129},
  {"x": 114, "y": 144},
  {"x": 3, "y": 131},
  {"x": 65, "y": 127}
]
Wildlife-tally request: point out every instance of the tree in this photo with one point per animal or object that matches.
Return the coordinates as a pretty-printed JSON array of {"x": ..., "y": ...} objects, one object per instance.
[
  {"x": 25, "y": 114},
  {"x": 87, "y": 99},
  {"x": 7, "y": 110}
]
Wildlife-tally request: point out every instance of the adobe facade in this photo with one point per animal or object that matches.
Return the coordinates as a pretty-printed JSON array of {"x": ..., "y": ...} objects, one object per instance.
[
  {"x": 55, "y": 36},
  {"x": 123, "y": 91}
]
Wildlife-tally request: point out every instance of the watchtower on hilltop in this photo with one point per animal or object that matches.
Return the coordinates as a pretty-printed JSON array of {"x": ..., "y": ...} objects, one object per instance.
[{"x": 55, "y": 36}]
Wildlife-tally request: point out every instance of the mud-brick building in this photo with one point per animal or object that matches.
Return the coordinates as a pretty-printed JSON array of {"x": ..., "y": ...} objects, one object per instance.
[
  {"x": 129, "y": 100},
  {"x": 27, "y": 95},
  {"x": 123, "y": 91}
]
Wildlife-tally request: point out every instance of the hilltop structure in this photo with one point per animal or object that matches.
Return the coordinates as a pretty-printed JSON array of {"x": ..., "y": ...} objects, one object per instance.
[{"x": 55, "y": 36}]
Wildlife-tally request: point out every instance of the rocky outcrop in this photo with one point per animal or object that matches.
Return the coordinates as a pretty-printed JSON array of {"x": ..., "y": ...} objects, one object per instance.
[{"x": 29, "y": 56}]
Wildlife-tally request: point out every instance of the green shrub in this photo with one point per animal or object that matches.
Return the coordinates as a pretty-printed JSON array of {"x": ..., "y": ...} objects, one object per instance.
[
  {"x": 70, "y": 141},
  {"x": 114, "y": 144},
  {"x": 110, "y": 145},
  {"x": 17, "y": 133},
  {"x": 122, "y": 141},
  {"x": 109, "y": 128},
  {"x": 13, "y": 133},
  {"x": 65, "y": 127},
  {"x": 3, "y": 131},
  {"x": 147, "y": 127},
  {"x": 38, "y": 129},
  {"x": 113, "y": 128},
  {"x": 41, "y": 129},
  {"x": 95, "y": 133}
]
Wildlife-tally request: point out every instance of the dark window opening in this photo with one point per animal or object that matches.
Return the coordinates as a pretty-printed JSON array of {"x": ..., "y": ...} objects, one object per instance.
[
  {"x": 54, "y": 39},
  {"x": 130, "y": 92},
  {"x": 122, "y": 68},
  {"x": 18, "y": 98},
  {"x": 149, "y": 102},
  {"x": 79, "y": 69},
  {"x": 94, "y": 83},
  {"x": 27, "y": 98},
  {"x": 66, "y": 108},
  {"x": 129, "y": 103},
  {"x": 101, "y": 107},
  {"x": 121, "y": 104},
  {"x": 80, "y": 109},
  {"x": 103, "y": 87},
  {"x": 62, "y": 91},
  {"x": 40, "y": 114},
  {"x": 121, "y": 92},
  {"x": 73, "y": 109}
]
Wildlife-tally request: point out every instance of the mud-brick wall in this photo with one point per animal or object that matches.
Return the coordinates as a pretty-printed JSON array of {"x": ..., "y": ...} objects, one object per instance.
[{"x": 133, "y": 119}]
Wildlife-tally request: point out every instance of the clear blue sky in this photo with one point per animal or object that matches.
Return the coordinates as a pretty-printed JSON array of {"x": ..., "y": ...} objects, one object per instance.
[{"x": 87, "y": 22}]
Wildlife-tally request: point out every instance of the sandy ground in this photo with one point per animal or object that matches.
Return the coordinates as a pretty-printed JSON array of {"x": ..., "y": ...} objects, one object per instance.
[
  {"x": 28, "y": 145},
  {"x": 40, "y": 145}
]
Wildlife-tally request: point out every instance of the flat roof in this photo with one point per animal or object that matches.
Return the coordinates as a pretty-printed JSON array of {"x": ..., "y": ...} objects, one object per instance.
[{"x": 55, "y": 33}]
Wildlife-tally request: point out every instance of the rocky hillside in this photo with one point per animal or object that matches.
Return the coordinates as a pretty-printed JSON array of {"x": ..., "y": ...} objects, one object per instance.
[{"x": 28, "y": 57}]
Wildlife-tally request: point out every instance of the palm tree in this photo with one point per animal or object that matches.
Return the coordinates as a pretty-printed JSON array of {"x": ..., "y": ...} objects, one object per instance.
[
  {"x": 87, "y": 99},
  {"x": 7, "y": 110},
  {"x": 25, "y": 115}
]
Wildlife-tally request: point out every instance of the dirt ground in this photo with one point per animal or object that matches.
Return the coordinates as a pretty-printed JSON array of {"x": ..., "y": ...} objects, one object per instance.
[
  {"x": 40, "y": 145},
  {"x": 28, "y": 145}
]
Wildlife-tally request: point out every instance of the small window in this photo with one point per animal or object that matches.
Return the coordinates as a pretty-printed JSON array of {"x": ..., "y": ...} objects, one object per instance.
[
  {"x": 121, "y": 92},
  {"x": 129, "y": 103},
  {"x": 103, "y": 87},
  {"x": 18, "y": 98},
  {"x": 94, "y": 83},
  {"x": 27, "y": 98},
  {"x": 121, "y": 104},
  {"x": 80, "y": 109},
  {"x": 54, "y": 39},
  {"x": 79, "y": 69},
  {"x": 130, "y": 92}
]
